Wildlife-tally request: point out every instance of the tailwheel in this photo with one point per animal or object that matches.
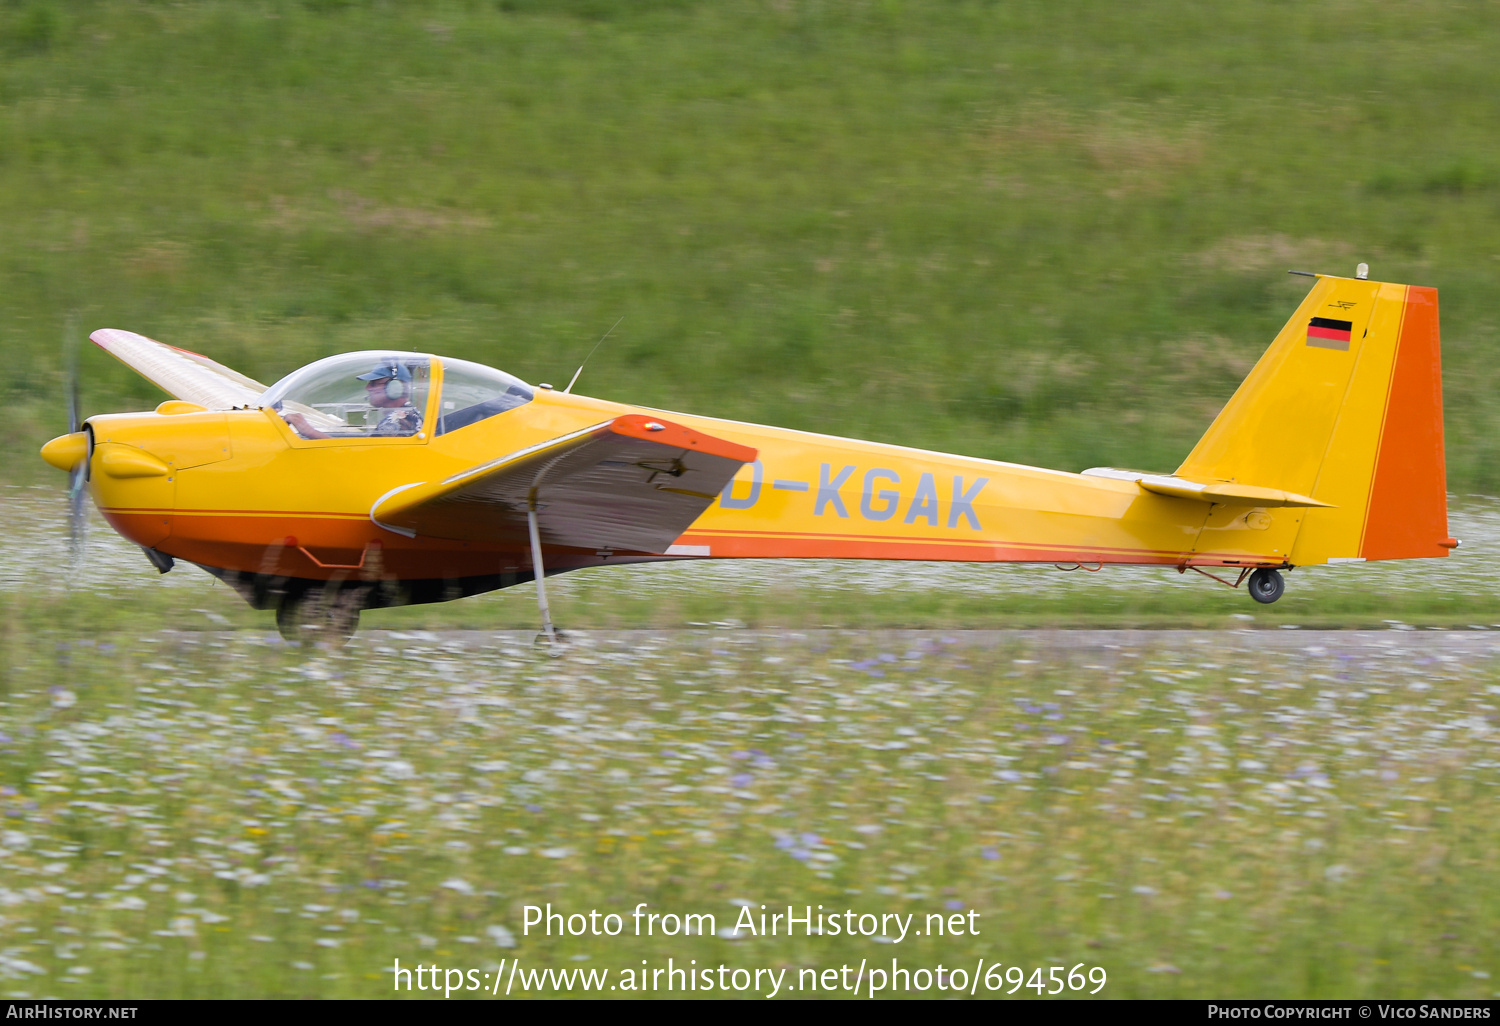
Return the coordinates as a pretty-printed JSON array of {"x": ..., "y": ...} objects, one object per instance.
[
  {"x": 1265, "y": 585},
  {"x": 319, "y": 619}
]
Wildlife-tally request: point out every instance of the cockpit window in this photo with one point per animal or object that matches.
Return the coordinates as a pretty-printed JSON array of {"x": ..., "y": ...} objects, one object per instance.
[
  {"x": 357, "y": 395},
  {"x": 473, "y": 392}
]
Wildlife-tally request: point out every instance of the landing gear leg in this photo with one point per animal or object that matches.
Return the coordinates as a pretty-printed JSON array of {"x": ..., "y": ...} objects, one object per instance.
[
  {"x": 1265, "y": 585},
  {"x": 540, "y": 572}
]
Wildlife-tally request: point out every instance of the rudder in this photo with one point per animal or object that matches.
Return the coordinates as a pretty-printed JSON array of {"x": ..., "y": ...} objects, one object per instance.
[{"x": 1408, "y": 509}]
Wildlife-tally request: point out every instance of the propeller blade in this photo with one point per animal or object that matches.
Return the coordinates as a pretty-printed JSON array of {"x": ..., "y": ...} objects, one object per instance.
[
  {"x": 78, "y": 476},
  {"x": 70, "y": 347},
  {"x": 77, "y": 512}
]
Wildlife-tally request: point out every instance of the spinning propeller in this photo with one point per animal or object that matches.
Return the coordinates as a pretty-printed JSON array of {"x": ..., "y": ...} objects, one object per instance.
[{"x": 78, "y": 475}]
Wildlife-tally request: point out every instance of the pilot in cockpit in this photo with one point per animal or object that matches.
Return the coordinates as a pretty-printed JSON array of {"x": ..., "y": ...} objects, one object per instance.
[{"x": 388, "y": 387}]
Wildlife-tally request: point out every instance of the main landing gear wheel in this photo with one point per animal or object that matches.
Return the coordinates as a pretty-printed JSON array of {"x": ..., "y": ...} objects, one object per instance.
[
  {"x": 318, "y": 620},
  {"x": 1265, "y": 585}
]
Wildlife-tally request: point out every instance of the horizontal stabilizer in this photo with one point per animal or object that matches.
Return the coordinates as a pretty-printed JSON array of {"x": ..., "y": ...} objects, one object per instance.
[
  {"x": 179, "y": 373},
  {"x": 1226, "y": 493},
  {"x": 631, "y": 484}
]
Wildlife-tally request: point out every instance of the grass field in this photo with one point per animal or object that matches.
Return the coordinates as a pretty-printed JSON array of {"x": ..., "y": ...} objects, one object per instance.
[{"x": 195, "y": 814}]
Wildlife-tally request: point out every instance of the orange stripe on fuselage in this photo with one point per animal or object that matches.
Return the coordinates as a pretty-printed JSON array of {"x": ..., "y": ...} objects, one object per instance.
[
  {"x": 775, "y": 545},
  {"x": 314, "y": 514},
  {"x": 1408, "y": 509}
]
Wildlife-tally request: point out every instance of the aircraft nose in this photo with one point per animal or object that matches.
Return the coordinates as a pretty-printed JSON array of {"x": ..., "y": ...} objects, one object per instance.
[{"x": 66, "y": 451}]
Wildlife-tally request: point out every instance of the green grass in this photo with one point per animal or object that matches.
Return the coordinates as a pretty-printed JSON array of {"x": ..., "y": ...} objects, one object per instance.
[
  {"x": 210, "y": 815},
  {"x": 1054, "y": 233}
]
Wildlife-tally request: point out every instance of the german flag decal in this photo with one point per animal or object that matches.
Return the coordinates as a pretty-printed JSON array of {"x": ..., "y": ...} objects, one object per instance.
[{"x": 1327, "y": 333}]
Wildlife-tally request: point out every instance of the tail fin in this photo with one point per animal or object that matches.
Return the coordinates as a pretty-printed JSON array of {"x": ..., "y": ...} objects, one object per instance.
[{"x": 1346, "y": 406}]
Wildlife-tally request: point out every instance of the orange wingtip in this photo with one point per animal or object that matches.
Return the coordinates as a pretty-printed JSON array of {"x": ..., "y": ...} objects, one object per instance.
[{"x": 654, "y": 429}]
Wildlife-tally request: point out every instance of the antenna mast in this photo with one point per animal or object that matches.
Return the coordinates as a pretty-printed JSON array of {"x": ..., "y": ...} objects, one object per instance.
[{"x": 586, "y": 359}]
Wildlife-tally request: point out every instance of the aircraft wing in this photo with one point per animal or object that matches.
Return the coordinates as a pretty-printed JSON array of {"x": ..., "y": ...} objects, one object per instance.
[
  {"x": 178, "y": 372},
  {"x": 631, "y": 484}
]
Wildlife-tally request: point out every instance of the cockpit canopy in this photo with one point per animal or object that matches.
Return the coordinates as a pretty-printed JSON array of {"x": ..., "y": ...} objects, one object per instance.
[
  {"x": 472, "y": 392},
  {"x": 381, "y": 393}
]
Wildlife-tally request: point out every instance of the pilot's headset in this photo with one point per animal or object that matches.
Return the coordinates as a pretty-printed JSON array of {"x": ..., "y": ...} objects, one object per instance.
[{"x": 399, "y": 385}]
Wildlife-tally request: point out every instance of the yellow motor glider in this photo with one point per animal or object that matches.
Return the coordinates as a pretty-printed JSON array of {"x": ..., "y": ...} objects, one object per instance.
[{"x": 385, "y": 478}]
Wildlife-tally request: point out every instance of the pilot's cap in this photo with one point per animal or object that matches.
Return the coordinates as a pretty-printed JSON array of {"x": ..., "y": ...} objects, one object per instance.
[{"x": 391, "y": 369}]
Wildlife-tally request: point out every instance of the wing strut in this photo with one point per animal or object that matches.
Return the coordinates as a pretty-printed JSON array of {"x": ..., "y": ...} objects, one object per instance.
[{"x": 538, "y": 570}]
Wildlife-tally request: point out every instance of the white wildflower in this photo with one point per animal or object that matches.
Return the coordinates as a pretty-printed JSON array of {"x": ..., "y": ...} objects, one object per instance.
[{"x": 399, "y": 769}]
